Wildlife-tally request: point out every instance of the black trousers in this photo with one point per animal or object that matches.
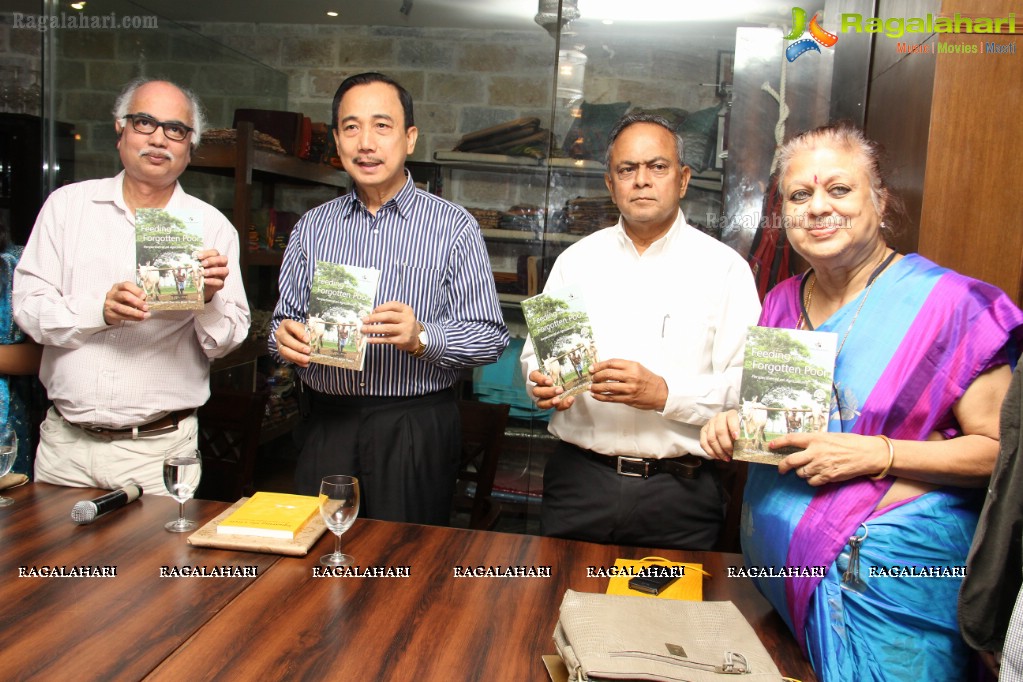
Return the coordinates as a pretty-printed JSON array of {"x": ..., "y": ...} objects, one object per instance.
[
  {"x": 404, "y": 451},
  {"x": 585, "y": 500}
]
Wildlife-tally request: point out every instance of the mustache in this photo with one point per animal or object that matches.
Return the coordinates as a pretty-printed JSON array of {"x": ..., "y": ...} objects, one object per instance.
[
  {"x": 368, "y": 159},
  {"x": 152, "y": 151}
]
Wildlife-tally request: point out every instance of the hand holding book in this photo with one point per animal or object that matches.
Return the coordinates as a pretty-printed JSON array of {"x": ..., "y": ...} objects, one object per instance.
[
  {"x": 786, "y": 392},
  {"x": 562, "y": 338},
  {"x": 214, "y": 271}
]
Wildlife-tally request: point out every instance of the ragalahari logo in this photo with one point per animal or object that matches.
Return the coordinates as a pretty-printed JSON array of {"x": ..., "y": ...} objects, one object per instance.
[{"x": 818, "y": 36}]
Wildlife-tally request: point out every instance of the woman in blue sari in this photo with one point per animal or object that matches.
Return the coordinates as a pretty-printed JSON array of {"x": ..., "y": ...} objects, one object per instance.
[
  {"x": 19, "y": 358},
  {"x": 886, "y": 501}
]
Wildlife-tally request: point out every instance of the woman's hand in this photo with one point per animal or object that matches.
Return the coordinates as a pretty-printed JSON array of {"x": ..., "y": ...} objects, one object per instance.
[
  {"x": 718, "y": 436},
  {"x": 832, "y": 457}
]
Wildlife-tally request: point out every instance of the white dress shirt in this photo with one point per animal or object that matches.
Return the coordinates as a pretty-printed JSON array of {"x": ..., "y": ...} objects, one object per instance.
[
  {"x": 681, "y": 309},
  {"x": 128, "y": 373}
]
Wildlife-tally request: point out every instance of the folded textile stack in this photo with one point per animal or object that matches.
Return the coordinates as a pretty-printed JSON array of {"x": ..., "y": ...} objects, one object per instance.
[
  {"x": 229, "y": 135},
  {"x": 612, "y": 637},
  {"x": 522, "y": 217},
  {"x": 502, "y": 382},
  {"x": 585, "y": 215},
  {"x": 521, "y": 137},
  {"x": 486, "y": 217}
]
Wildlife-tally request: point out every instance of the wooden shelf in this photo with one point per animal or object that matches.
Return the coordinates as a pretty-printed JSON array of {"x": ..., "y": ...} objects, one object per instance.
[
  {"x": 528, "y": 236},
  {"x": 708, "y": 179},
  {"x": 511, "y": 299},
  {"x": 246, "y": 165},
  {"x": 527, "y": 164},
  {"x": 278, "y": 166}
]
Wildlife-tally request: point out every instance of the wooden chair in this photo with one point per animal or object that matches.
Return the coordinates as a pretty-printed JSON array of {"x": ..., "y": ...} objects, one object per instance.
[
  {"x": 483, "y": 427},
  {"x": 229, "y": 429}
]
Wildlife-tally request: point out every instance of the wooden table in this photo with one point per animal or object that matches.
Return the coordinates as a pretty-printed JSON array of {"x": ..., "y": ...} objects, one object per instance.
[{"x": 287, "y": 624}]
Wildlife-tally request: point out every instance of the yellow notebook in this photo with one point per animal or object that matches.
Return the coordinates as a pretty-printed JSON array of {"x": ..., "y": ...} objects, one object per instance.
[
  {"x": 271, "y": 515},
  {"x": 689, "y": 587}
]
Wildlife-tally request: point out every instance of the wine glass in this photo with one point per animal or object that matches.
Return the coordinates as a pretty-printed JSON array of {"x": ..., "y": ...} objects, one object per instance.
[
  {"x": 339, "y": 505},
  {"x": 8, "y": 453},
  {"x": 181, "y": 475}
]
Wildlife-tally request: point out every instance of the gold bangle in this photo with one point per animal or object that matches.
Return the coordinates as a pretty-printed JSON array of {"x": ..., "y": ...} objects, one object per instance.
[{"x": 891, "y": 458}]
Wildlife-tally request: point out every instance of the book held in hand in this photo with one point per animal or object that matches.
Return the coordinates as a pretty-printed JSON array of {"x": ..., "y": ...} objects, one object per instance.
[
  {"x": 340, "y": 296},
  {"x": 787, "y": 379},
  {"x": 167, "y": 246},
  {"x": 562, "y": 338},
  {"x": 271, "y": 515}
]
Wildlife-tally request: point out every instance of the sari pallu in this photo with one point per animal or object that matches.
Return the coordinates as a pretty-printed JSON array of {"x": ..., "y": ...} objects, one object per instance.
[
  {"x": 920, "y": 339},
  {"x": 14, "y": 391}
]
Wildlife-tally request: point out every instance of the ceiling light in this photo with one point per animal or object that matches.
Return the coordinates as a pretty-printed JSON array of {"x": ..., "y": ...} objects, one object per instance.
[
  {"x": 548, "y": 14},
  {"x": 332, "y": 14},
  {"x": 78, "y": 6}
]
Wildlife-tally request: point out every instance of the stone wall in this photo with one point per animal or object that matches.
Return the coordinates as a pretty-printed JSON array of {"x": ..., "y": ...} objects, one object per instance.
[
  {"x": 20, "y": 68},
  {"x": 460, "y": 80}
]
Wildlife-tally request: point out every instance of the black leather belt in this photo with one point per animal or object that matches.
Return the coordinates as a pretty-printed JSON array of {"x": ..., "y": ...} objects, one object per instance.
[
  {"x": 164, "y": 424},
  {"x": 686, "y": 466}
]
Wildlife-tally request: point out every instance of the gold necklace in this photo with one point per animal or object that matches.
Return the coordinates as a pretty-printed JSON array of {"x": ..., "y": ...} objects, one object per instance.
[{"x": 882, "y": 263}]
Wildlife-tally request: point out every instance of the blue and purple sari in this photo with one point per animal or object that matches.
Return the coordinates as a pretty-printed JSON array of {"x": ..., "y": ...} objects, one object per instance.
[
  {"x": 15, "y": 392},
  {"x": 922, "y": 337}
]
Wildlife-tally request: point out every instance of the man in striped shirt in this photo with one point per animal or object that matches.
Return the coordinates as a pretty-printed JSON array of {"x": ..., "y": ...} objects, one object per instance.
[{"x": 395, "y": 424}]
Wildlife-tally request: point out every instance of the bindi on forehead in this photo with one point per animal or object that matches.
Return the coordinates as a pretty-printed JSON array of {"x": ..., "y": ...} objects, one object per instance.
[{"x": 815, "y": 180}]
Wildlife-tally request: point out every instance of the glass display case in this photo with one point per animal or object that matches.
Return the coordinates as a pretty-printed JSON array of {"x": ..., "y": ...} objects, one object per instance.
[{"x": 513, "y": 100}]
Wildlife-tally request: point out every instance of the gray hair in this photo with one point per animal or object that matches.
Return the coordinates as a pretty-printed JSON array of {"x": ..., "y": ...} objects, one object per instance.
[
  {"x": 844, "y": 134},
  {"x": 643, "y": 117},
  {"x": 195, "y": 106}
]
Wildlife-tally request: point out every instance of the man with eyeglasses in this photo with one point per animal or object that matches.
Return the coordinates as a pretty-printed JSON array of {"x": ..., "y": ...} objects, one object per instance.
[
  {"x": 125, "y": 381},
  {"x": 669, "y": 307}
]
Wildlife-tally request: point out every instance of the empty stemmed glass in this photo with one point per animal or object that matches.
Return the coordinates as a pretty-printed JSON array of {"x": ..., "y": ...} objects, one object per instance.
[
  {"x": 339, "y": 505},
  {"x": 8, "y": 453},
  {"x": 181, "y": 475}
]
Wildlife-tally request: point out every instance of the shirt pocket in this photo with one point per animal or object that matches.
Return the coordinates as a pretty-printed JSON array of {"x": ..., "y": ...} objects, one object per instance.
[
  {"x": 420, "y": 288},
  {"x": 687, "y": 341}
]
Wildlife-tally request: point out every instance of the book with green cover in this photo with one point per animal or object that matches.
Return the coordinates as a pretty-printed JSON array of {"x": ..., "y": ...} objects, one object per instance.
[
  {"x": 271, "y": 515},
  {"x": 786, "y": 388},
  {"x": 340, "y": 296},
  {"x": 562, "y": 337},
  {"x": 167, "y": 246}
]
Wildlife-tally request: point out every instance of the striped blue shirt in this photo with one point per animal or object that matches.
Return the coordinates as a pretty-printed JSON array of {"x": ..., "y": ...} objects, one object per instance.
[{"x": 431, "y": 256}]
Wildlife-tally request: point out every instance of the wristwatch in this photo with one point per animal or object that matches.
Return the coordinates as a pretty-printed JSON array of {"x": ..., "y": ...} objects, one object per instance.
[{"x": 421, "y": 348}]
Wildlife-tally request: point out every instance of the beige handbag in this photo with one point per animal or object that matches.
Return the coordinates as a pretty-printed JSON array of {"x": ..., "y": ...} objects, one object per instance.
[{"x": 612, "y": 637}]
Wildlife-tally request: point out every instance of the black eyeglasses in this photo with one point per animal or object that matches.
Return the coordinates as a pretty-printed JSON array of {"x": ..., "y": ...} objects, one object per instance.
[{"x": 147, "y": 125}]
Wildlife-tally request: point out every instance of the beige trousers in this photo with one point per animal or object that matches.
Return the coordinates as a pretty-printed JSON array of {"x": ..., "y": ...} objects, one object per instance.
[{"x": 69, "y": 456}]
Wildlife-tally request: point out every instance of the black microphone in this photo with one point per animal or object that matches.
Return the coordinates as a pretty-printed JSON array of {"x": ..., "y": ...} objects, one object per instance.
[{"x": 86, "y": 511}]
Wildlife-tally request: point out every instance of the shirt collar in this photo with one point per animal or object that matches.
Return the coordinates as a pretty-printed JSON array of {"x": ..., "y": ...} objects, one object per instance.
[
  {"x": 111, "y": 191},
  {"x": 662, "y": 243},
  {"x": 403, "y": 200}
]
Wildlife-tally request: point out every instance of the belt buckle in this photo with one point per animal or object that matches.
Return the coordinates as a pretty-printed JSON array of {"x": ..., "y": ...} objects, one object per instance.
[{"x": 633, "y": 460}]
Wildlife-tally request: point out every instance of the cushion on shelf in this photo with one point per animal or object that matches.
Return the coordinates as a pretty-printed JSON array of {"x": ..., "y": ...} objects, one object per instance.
[{"x": 587, "y": 138}]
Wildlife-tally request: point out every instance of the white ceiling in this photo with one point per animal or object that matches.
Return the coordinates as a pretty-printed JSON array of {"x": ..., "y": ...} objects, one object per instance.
[{"x": 491, "y": 14}]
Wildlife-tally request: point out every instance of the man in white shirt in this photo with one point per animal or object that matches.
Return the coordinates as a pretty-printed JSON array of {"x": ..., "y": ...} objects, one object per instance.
[
  {"x": 669, "y": 308},
  {"x": 125, "y": 381}
]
